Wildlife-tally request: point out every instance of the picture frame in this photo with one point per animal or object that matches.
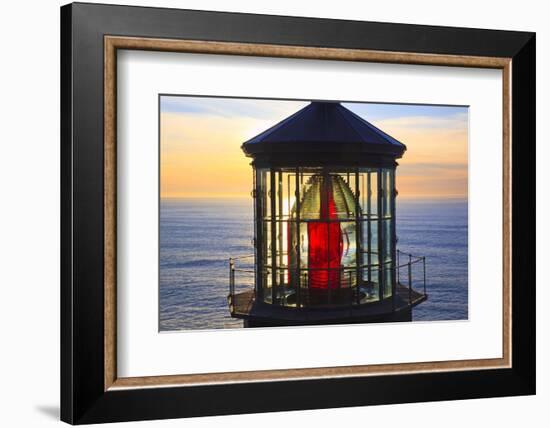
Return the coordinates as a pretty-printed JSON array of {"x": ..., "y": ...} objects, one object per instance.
[{"x": 91, "y": 391}]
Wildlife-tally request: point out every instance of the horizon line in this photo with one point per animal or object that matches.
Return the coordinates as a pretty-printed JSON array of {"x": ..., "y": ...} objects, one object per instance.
[{"x": 428, "y": 196}]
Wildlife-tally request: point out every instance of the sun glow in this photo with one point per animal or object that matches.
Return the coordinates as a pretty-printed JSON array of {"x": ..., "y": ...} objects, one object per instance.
[{"x": 201, "y": 156}]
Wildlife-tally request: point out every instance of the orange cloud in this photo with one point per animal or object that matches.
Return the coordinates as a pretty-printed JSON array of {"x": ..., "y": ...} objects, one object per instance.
[
  {"x": 436, "y": 161},
  {"x": 201, "y": 154}
]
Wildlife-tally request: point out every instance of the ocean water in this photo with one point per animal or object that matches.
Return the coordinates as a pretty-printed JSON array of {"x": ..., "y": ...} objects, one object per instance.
[{"x": 197, "y": 237}]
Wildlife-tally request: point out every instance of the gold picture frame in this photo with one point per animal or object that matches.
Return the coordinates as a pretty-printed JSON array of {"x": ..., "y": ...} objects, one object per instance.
[{"x": 114, "y": 43}]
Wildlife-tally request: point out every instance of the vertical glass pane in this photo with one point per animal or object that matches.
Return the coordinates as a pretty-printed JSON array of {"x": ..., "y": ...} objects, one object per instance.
[
  {"x": 387, "y": 241},
  {"x": 392, "y": 228},
  {"x": 267, "y": 256},
  {"x": 261, "y": 190},
  {"x": 388, "y": 192},
  {"x": 360, "y": 250},
  {"x": 310, "y": 194},
  {"x": 260, "y": 232},
  {"x": 267, "y": 243},
  {"x": 343, "y": 190},
  {"x": 304, "y": 245},
  {"x": 374, "y": 242},
  {"x": 382, "y": 196},
  {"x": 385, "y": 193},
  {"x": 386, "y": 235},
  {"x": 380, "y": 246},
  {"x": 268, "y": 286},
  {"x": 392, "y": 191},
  {"x": 366, "y": 248},
  {"x": 289, "y": 193},
  {"x": 348, "y": 252},
  {"x": 267, "y": 195},
  {"x": 363, "y": 191},
  {"x": 372, "y": 286},
  {"x": 258, "y": 189},
  {"x": 373, "y": 193},
  {"x": 291, "y": 232},
  {"x": 280, "y": 253}
]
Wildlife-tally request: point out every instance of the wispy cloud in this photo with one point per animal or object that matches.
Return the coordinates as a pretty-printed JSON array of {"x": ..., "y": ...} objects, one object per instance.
[
  {"x": 457, "y": 121},
  {"x": 229, "y": 107},
  {"x": 419, "y": 168},
  {"x": 377, "y": 111}
]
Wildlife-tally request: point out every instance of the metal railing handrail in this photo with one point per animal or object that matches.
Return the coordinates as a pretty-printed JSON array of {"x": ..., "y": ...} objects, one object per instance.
[
  {"x": 242, "y": 257},
  {"x": 303, "y": 271},
  {"x": 287, "y": 218}
]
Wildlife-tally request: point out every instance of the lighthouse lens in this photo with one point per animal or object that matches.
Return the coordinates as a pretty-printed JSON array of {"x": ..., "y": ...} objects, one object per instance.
[{"x": 327, "y": 238}]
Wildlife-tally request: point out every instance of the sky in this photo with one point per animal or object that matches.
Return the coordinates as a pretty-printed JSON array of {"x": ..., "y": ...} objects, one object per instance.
[{"x": 201, "y": 156}]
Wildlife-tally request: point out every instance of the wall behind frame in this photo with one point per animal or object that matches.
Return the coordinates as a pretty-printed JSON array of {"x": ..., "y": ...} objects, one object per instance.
[{"x": 29, "y": 219}]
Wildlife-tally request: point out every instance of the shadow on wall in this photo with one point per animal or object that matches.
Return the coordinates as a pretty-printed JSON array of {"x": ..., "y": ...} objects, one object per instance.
[{"x": 51, "y": 411}]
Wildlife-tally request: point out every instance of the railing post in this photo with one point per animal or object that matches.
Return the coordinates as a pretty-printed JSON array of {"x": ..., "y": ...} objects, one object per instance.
[
  {"x": 297, "y": 226},
  {"x": 424, "y": 264},
  {"x": 231, "y": 278},
  {"x": 397, "y": 252},
  {"x": 307, "y": 300},
  {"x": 410, "y": 281},
  {"x": 394, "y": 286},
  {"x": 356, "y": 290}
]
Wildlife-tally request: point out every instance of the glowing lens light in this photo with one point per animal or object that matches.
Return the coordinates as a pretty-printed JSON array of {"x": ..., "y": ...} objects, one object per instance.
[{"x": 326, "y": 244}]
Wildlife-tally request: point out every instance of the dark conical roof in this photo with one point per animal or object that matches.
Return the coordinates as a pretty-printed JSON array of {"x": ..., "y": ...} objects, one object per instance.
[{"x": 324, "y": 127}]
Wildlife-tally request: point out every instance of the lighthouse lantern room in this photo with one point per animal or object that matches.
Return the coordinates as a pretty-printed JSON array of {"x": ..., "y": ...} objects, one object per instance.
[{"x": 325, "y": 224}]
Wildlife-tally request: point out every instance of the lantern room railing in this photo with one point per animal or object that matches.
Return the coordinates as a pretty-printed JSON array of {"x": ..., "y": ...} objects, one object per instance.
[
  {"x": 246, "y": 270},
  {"x": 408, "y": 290}
]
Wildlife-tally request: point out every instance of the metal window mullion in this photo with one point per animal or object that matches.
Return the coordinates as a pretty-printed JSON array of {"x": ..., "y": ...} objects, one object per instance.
[
  {"x": 393, "y": 235},
  {"x": 257, "y": 233},
  {"x": 369, "y": 226},
  {"x": 298, "y": 272},
  {"x": 273, "y": 238},
  {"x": 326, "y": 191},
  {"x": 379, "y": 196},
  {"x": 288, "y": 228},
  {"x": 280, "y": 225},
  {"x": 358, "y": 237}
]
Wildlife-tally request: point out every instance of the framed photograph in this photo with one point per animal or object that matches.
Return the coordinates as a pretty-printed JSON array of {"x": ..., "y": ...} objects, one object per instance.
[{"x": 266, "y": 213}]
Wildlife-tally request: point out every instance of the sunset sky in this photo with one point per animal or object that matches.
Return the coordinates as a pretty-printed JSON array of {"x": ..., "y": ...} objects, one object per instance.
[{"x": 200, "y": 141}]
